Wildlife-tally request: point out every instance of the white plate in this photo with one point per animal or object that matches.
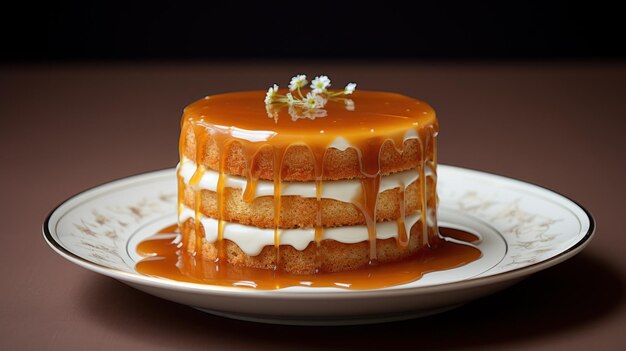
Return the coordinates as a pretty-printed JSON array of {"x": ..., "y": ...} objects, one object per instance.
[{"x": 525, "y": 228}]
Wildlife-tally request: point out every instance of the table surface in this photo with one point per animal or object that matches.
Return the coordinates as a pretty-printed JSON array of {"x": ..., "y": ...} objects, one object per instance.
[{"x": 69, "y": 127}]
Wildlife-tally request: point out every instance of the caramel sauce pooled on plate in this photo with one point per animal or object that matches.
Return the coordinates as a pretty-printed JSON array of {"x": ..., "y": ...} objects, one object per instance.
[{"x": 165, "y": 258}]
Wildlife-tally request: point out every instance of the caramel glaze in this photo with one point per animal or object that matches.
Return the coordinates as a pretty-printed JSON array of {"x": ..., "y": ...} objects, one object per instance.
[
  {"x": 166, "y": 258},
  {"x": 377, "y": 118}
]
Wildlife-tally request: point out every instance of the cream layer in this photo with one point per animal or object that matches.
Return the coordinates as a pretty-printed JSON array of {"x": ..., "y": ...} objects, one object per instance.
[
  {"x": 340, "y": 190},
  {"x": 251, "y": 240}
]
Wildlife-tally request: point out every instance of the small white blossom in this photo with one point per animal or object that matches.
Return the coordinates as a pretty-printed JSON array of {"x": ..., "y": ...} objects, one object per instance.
[
  {"x": 290, "y": 99},
  {"x": 312, "y": 100},
  {"x": 297, "y": 82},
  {"x": 320, "y": 84},
  {"x": 309, "y": 100},
  {"x": 349, "y": 89},
  {"x": 271, "y": 94}
]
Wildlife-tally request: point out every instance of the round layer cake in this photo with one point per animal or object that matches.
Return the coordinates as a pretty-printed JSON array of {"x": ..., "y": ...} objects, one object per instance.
[{"x": 328, "y": 188}]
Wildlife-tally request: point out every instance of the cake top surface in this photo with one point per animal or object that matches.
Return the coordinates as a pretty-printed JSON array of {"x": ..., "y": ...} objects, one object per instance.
[{"x": 364, "y": 115}]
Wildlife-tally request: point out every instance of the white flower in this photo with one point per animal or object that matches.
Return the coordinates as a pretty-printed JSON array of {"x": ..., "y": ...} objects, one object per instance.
[
  {"x": 271, "y": 94},
  {"x": 312, "y": 100},
  {"x": 349, "y": 89},
  {"x": 290, "y": 99},
  {"x": 297, "y": 82},
  {"x": 309, "y": 100},
  {"x": 320, "y": 84}
]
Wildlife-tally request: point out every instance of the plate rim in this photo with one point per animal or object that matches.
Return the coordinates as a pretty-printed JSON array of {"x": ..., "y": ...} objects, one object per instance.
[{"x": 135, "y": 278}]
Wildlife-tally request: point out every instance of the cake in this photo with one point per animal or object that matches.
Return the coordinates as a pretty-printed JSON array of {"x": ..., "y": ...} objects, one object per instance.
[{"x": 307, "y": 181}]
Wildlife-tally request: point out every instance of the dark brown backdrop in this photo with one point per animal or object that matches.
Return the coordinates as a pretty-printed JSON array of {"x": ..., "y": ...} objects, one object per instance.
[
  {"x": 68, "y": 127},
  {"x": 189, "y": 29}
]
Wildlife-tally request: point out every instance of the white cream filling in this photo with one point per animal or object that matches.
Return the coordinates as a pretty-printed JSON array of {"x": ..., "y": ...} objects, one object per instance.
[
  {"x": 251, "y": 240},
  {"x": 340, "y": 190}
]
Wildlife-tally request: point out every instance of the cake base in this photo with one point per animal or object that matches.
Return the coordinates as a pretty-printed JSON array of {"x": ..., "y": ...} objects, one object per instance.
[{"x": 334, "y": 256}]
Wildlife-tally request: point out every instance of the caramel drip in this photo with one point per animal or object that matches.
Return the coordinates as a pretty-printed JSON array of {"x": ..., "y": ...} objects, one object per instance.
[
  {"x": 278, "y": 166},
  {"x": 403, "y": 238},
  {"x": 179, "y": 177},
  {"x": 252, "y": 178},
  {"x": 199, "y": 230},
  {"x": 201, "y": 139},
  {"x": 251, "y": 184},
  {"x": 165, "y": 258},
  {"x": 319, "y": 155},
  {"x": 422, "y": 191},
  {"x": 181, "y": 192},
  {"x": 432, "y": 185},
  {"x": 319, "y": 229},
  {"x": 251, "y": 150},
  {"x": 221, "y": 180},
  {"x": 369, "y": 157},
  {"x": 369, "y": 194}
]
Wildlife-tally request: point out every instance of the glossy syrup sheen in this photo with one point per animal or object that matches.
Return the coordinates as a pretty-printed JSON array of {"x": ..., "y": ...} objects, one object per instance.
[
  {"x": 243, "y": 115},
  {"x": 165, "y": 257}
]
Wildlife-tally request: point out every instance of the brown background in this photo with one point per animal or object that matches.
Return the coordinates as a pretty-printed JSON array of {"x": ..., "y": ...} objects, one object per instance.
[{"x": 68, "y": 127}]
